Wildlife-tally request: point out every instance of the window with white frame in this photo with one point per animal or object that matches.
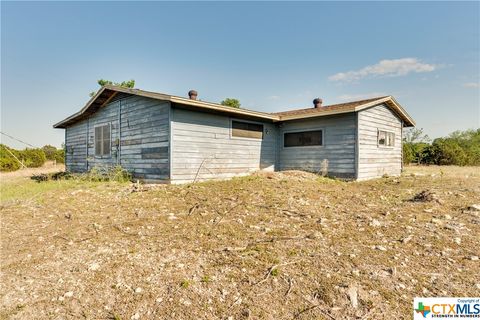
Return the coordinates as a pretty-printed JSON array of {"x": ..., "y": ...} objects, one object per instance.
[
  {"x": 386, "y": 138},
  {"x": 102, "y": 140}
]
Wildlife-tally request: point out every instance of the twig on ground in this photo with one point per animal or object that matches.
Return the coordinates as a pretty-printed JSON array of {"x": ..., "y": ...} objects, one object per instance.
[{"x": 275, "y": 266}]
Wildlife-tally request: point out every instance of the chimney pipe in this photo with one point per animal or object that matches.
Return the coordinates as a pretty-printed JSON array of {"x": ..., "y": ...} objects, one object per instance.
[
  {"x": 192, "y": 94},
  {"x": 317, "y": 103}
]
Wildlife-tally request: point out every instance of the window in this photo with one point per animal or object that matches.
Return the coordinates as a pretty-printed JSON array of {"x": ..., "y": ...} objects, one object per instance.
[
  {"x": 303, "y": 139},
  {"x": 386, "y": 139},
  {"x": 102, "y": 140},
  {"x": 247, "y": 130}
]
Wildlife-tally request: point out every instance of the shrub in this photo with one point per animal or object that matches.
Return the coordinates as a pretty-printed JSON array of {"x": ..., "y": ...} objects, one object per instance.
[
  {"x": 116, "y": 173},
  {"x": 59, "y": 156},
  {"x": 7, "y": 161},
  {"x": 33, "y": 158}
]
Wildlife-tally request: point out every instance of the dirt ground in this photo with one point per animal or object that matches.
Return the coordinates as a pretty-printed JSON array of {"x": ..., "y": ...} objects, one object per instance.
[{"x": 288, "y": 245}]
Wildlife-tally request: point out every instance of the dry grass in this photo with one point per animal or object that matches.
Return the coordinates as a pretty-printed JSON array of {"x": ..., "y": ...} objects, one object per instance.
[{"x": 268, "y": 246}]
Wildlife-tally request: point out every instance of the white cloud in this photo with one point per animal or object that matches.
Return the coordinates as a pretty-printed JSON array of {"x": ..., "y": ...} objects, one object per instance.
[
  {"x": 391, "y": 68},
  {"x": 361, "y": 96},
  {"x": 471, "y": 85}
]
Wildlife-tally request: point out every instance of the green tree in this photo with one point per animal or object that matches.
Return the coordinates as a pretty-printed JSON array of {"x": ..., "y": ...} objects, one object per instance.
[
  {"x": 231, "y": 102},
  {"x": 414, "y": 143},
  {"x": 103, "y": 82},
  {"x": 49, "y": 151}
]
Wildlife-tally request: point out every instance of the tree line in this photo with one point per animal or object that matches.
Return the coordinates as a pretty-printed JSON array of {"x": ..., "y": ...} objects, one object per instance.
[
  {"x": 461, "y": 148},
  {"x": 12, "y": 159}
]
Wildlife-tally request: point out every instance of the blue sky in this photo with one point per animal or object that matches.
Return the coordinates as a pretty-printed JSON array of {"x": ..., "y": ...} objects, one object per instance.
[{"x": 272, "y": 56}]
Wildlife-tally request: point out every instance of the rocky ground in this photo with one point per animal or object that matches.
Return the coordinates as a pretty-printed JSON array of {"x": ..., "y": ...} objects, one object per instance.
[{"x": 287, "y": 245}]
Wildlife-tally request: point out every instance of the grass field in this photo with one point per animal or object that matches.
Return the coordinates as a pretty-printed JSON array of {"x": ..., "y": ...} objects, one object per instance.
[{"x": 288, "y": 245}]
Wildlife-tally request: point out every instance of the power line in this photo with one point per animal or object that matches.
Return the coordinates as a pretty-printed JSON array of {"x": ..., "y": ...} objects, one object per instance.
[{"x": 28, "y": 144}]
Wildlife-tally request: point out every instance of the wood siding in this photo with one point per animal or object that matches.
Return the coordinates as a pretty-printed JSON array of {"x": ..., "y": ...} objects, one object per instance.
[
  {"x": 76, "y": 145},
  {"x": 337, "y": 154},
  {"x": 202, "y": 142},
  {"x": 373, "y": 160},
  {"x": 139, "y": 138}
]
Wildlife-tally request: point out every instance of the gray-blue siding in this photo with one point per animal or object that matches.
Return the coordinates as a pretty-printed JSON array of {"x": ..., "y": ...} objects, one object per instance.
[
  {"x": 335, "y": 157},
  {"x": 140, "y": 134},
  {"x": 203, "y": 148},
  {"x": 157, "y": 142}
]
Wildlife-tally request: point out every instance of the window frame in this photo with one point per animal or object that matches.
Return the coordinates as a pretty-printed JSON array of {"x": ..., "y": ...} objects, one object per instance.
[
  {"x": 304, "y": 130},
  {"x": 386, "y": 134},
  {"x": 264, "y": 130},
  {"x": 102, "y": 156}
]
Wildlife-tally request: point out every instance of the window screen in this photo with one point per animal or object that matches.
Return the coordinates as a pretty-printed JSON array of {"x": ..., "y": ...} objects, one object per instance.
[
  {"x": 247, "y": 130},
  {"x": 303, "y": 139},
  {"x": 386, "y": 138},
  {"x": 102, "y": 140}
]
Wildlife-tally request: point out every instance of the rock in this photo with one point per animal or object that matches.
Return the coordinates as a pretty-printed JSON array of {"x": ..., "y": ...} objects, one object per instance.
[
  {"x": 353, "y": 295},
  {"x": 428, "y": 210},
  {"x": 375, "y": 223},
  {"x": 381, "y": 248},
  {"x": 407, "y": 239},
  {"x": 474, "y": 258},
  {"x": 93, "y": 266},
  {"x": 68, "y": 294},
  {"x": 447, "y": 217},
  {"x": 457, "y": 240},
  {"x": 136, "y": 316},
  {"x": 474, "y": 207},
  {"x": 138, "y": 290},
  {"x": 436, "y": 221}
]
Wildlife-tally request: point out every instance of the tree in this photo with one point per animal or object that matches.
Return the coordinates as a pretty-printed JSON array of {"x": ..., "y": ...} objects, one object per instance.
[
  {"x": 49, "y": 151},
  {"x": 231, "y": 102},
  {"x": 125, "y": 84},
  {"x": 414, "y": 143}
]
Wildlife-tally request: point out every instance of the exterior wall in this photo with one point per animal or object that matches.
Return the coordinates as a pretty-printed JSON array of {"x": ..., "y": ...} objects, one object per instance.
[
  {"x": 76, "y": 145},
  {"x": 203, "y": 148},
  {"x": 373, "y": 160},
  {"x": 139, "y": 138},
  {"x": 336, "y": 156}
]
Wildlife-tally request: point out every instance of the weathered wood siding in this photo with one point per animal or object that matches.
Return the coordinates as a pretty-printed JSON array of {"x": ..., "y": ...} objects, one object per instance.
[
  {"x": 76, "y": 143},
  {"x": 145, "y": 138},
  {"x": 202, "y": 142},
  {"x": 336, "y": 156},
  {"x": 373, "y": 160},
  {"x": 139, "y": 138}
]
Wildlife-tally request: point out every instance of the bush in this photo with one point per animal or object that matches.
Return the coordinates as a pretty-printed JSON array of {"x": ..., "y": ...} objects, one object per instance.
[
  {"x": 59, "y": 156},
  {"x": 7, "y": 161},
  {"x": 33, "y": 158},
  {"x": 117, "y": 174},
  {"x": 459, "y": 148}
]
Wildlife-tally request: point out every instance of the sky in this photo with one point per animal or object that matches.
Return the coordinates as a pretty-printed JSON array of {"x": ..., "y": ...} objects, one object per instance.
[{"x": 272, "y": 56}]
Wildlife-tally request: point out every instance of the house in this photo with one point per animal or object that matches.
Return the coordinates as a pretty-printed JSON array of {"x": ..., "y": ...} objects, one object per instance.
[{"x": 164, "y": 138}]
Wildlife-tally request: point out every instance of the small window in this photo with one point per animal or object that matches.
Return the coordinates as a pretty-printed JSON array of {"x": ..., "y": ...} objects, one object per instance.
[
  {"x": 247, "y": 130},
  {"x": 303, "y": 139},
  {"x": 386, "y": 139},
  {"x": 102, "y": 141}
]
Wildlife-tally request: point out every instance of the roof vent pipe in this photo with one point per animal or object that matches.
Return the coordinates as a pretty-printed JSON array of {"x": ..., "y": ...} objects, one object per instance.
[
  {"x": 317, "y": 102},
  {"x": 192, "y": 94}
]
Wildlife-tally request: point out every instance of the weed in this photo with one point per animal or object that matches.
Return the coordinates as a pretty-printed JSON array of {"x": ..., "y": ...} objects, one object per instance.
[
  {"x": 205, "y": 279},
  {"x": 275, "y": 272},
  {"x": 185, "y": 284}
]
